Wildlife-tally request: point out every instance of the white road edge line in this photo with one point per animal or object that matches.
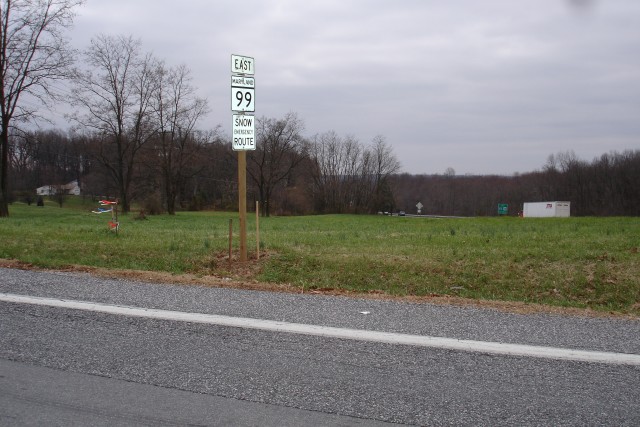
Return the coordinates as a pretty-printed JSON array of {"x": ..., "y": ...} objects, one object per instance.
[{"x": 333, "y": 332}]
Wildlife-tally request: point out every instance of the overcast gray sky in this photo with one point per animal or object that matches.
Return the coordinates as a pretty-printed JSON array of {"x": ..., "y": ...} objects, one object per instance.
[{"x": 482, "y": 86}]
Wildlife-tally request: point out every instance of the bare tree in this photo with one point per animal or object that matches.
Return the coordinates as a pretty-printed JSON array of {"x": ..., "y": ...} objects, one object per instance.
[
  {"x": 383, "y": 163},
  {"x": 348, "y": 176},
  {"x": 279, "y": 151},
  {"x": 116, "y": 95},
  {"x": 22, "y": 159},
  {"x": 335, "y": 162},
  {"x": 33, "y": 54},
  {"x": 177, "y": 111}
]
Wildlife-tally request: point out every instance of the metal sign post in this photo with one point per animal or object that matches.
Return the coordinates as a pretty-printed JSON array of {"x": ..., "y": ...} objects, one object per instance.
[{"x": 242, "y": 101}]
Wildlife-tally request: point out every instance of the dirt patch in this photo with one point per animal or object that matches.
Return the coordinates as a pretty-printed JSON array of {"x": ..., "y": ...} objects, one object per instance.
[{"x": 245, "y": 283}]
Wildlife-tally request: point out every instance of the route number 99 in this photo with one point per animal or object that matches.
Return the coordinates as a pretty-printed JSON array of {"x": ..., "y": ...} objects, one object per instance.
[{"x": 242, "y": 99}]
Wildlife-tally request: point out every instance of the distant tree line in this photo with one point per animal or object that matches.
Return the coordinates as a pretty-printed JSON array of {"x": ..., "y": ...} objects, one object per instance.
[
  {"x": 607, "y": 186},
  {"x": 288, "y": 174},
  {"x": 327, "y": 173}
]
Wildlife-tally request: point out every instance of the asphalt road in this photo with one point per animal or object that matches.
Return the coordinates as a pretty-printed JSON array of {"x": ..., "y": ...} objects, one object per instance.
[{"x": 73, "y": 366}]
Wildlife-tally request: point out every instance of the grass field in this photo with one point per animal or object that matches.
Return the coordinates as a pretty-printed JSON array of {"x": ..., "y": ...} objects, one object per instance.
[{"x": 575, "y": 262}]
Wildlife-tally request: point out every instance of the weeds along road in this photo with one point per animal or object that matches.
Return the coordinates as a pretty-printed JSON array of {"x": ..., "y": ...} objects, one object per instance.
[{"x": 103, "y": 364}]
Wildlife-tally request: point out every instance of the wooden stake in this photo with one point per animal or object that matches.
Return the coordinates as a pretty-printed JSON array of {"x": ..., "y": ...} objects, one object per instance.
[
  {"x": 257, "y": 230},
  {"x": 230, "y": 239}
]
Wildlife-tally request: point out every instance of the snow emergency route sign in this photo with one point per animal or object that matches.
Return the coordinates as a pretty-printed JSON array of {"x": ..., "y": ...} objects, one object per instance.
[{"x": 244, "y": 133}]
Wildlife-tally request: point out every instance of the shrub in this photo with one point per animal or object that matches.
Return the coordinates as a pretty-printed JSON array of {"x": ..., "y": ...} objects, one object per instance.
[{"x": 152, "y": 205}]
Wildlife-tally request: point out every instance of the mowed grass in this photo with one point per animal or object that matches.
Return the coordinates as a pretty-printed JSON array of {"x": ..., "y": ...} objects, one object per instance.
[{"x": 570, "y": 262}]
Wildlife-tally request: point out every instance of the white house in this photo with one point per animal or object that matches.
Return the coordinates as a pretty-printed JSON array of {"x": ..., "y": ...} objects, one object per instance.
[{"x": 50, "y": 190}]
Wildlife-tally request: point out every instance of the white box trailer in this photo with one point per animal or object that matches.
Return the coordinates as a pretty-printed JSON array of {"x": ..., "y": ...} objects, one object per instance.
[{"x": 547, "y": 210}]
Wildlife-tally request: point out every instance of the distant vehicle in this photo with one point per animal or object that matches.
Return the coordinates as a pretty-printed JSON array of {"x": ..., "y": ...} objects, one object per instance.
[{"x": 401, "y": 213}]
